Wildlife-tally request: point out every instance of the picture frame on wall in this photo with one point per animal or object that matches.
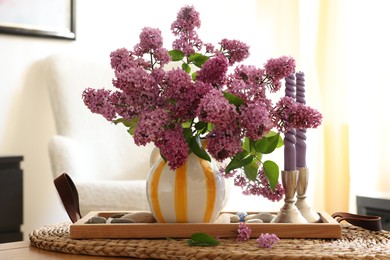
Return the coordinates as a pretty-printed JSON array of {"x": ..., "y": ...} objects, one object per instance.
[{"x": 38, "y": 18}]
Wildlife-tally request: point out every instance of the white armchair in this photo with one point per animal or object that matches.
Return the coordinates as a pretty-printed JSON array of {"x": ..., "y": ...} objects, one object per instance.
[{"x": 108, "y": 169}]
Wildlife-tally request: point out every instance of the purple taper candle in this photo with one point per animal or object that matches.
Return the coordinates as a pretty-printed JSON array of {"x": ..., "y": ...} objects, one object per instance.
[
  {"x": 300, "y": 133},
  {"x": 289, "y": 136}
]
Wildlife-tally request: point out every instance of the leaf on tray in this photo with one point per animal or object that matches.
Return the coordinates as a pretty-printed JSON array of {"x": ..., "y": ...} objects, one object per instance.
[{"x": 202, "y": 239}]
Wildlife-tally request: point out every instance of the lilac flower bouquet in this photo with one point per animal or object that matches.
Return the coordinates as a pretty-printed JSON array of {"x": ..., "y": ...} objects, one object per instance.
[{"x": 209, "y": 95}]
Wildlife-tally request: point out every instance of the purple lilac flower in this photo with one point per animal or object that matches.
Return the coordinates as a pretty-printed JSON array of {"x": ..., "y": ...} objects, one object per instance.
[
  {"x": 98, "y": 101},
  {"x": 121, "y": 103},
  {"x": 187, "y": 20},
  {"x": 185, "y": 46},
  {"x": 215, "y": 108},
  {"x": 162, "y": 57},
  {"x": 173, "y": 147},
  {"x": 291, "y": 114},
  {"x": 122, "y": 59},
  {"x": 307, "y": 117},
  {"x": 237, "y": 51},
  {"x": 262, "y": 188},
  {"x": 243, "y": 232},
  {"x": 138, "y": 87},
  {"x": 184, "y": 28},
  {"x": 248, "y": 83},
  {"x": 150, "y": 39},
  {"x": 151, "y": 126},
  {"x": 249, "y": 73},
  {"x": 267, "y": 240},
  {"x": 256, "y": 120},
  {"x": 285, "y": 107},
  {"x": 214, "y": 71},
  {"x": 181, "y": 95},
  {"x": 240, "y": 181},
  {"x": 210, "y": 48},
  {"x": 230, "y": 174},
  {"x": 279, "y": 68},
  {"x": 151, "y": 42},
  {"x": 158, "y": 74},
  {"x": 133, "y": 81},
  {"x": 224, "y": 142}
]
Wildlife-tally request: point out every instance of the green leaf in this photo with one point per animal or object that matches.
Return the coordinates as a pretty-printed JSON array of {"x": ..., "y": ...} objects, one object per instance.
[
  {"x": 187, "y": 133},
  {"x": 176, "y": 55},
  {"x": 233, "y": 99},
  {"x": 239, "y": 160},
  {"x": 186, "y": 68},
  {"x": 122, "y": 121},
  {"x": 252, "y": 145},
  {"x": 186, "y": 124},
  {"x": 267, "y": 144},
  {"x": 271, "y": 170},
  {"x": 202, "y": 239},
  {"x": 131, "y": 124},
  {"x": 193, "y": 75},
  {"x": 246, "y": 145},
  {"x": 251, "y": 170},
  {"x": 195, "y": 147},
  {"x": 210, "y": 127},
  {"x": 198, "y": 59},
  {"x": 200, "y": 125},
  {"x": 280, "y": 142}
]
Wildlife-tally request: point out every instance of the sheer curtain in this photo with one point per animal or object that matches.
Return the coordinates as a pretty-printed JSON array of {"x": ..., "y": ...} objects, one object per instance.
[
  {"x": 353, "y": 65},
  {"x": 343, "y": 49},
  {"x": 368, "y": 83}
]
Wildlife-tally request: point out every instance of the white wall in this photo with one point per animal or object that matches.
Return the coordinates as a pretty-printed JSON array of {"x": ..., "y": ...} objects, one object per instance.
[{"x": 26, "y": 121}]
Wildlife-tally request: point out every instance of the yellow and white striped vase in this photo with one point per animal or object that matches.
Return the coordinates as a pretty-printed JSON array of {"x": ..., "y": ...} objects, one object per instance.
[{"x": 193, "y": 193}]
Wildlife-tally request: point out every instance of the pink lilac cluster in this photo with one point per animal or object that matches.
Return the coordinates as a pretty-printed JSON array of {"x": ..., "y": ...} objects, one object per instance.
[
  {"x": 184, "y": 27},
  {"x": 161, "y": 102},
  {"x": 254, "y": 119},
  {"x": 278, "y": 69},
  {"x": 260, "y": 187},
  {"x": 243, "y": 232},
  {"x": 237, "y": 51},
  {"x": 291, "y": 114},
  {"x": 214, "y": 71},
  {"x": 267, "y": 240}
]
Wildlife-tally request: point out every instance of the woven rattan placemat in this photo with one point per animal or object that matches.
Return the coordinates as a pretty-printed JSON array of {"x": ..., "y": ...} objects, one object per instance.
[{"x": 356, "y": 243}]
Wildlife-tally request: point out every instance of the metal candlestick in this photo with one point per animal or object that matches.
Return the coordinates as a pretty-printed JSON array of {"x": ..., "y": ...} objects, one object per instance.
[
  {"x": 307, "y": 212},
  {"x": 289, "y": 213}
]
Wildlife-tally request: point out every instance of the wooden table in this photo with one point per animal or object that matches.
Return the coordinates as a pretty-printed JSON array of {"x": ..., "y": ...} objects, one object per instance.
[{"x": 23, "y": 251}]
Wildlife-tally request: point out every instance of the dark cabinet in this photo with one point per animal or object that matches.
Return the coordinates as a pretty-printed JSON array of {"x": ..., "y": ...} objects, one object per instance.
[
  {"x": 377, "y": 206},
  {"x": 11, "y": 199}
]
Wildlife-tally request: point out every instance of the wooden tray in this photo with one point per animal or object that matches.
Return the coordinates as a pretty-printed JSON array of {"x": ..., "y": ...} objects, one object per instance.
[{"x": 328, "y": 228}]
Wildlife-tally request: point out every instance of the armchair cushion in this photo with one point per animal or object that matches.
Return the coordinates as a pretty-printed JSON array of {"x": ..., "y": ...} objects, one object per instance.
[{"x": 108, "y": 169}]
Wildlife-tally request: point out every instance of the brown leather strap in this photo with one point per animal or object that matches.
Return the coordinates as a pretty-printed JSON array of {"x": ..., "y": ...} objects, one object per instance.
[
  {"x": 372, "y": 223},
  {"x": 69, "y": 196}
]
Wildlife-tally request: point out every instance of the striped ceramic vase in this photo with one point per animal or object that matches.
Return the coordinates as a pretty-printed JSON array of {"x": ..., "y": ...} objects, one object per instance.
[{"x": 193, "y": 193}]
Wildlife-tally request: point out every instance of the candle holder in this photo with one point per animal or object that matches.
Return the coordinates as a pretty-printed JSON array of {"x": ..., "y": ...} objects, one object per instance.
[
  {"x": 307, "y": 212},
  {"x": 289, "y": 213}
]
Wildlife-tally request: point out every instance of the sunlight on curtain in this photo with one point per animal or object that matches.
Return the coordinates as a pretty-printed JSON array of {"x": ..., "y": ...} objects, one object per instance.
[
  {"x": 331, "y": 69},
  {"x": 314, "y": 33},
  {"x": 352, "y": 65},
  {"x": 369, "y": 88},
  {"x": 341, "y": 48}
]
